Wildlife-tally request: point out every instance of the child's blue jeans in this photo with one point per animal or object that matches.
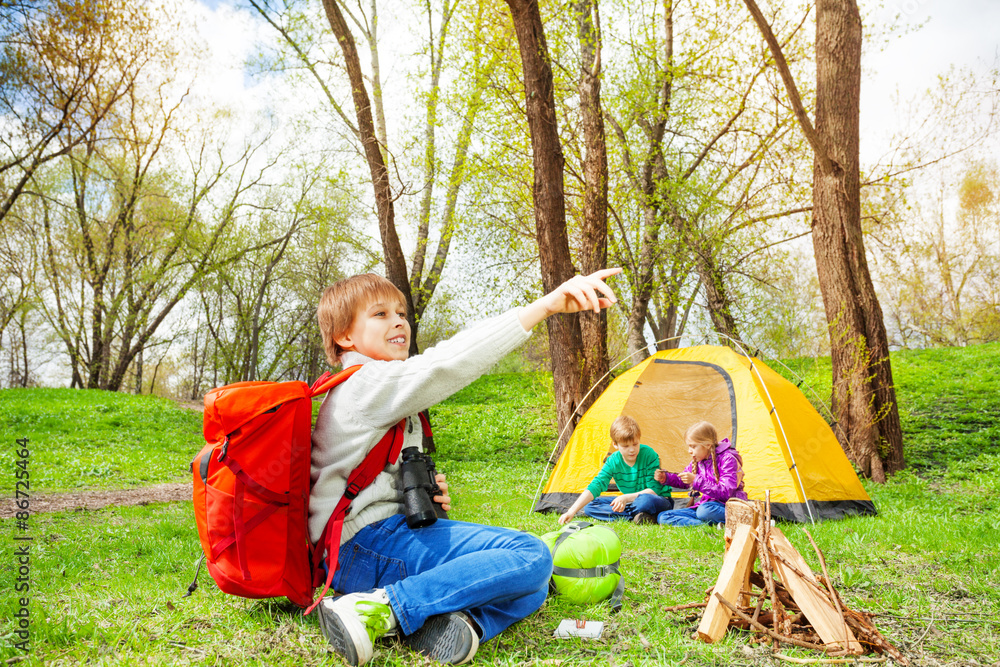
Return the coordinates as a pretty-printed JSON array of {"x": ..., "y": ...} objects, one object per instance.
[
  {"x": 710, "y": 511},
  {"x": 496, "y": 575},
  {"x": 600, "y": 508}
]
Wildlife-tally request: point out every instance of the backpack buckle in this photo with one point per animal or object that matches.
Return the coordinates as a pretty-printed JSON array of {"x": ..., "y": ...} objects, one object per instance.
[
  {"x": 225, "y": 448},
  {"x": 352, "y": 491}
]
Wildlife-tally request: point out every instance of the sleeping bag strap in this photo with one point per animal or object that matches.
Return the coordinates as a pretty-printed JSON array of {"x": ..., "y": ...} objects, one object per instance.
[
  {"x": 574, "y": 527},
  {"x": 616, "y": 597},
  {"x": 600, "y": 571},
  {"x": 386, "y": 452}
]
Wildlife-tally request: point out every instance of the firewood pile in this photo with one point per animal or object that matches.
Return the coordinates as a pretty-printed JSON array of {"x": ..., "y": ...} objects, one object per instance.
[{"x": 767, "y": 588}]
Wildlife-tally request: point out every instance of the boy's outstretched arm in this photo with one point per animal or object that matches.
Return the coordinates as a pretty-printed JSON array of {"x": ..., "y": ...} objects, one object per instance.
[
  {"x": 584, "y": 498},
  {"x": 576, "y": 294}
]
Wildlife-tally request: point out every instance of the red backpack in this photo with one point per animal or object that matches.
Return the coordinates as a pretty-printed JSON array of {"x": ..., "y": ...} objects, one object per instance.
[{"x": 251, "y": 488}]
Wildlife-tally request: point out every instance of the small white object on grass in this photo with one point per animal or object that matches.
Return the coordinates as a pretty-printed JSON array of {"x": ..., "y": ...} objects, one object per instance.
[{"x": 569, "y": 627}]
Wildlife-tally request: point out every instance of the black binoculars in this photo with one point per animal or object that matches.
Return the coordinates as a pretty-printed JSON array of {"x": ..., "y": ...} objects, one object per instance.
[{"x": 419, "y": 487}]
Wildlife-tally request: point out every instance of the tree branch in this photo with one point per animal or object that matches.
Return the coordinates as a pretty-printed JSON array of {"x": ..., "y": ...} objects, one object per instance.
[{"x": 822, "y": 155}]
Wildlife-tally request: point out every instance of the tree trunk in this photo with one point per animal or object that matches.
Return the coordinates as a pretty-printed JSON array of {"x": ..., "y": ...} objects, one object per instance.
[
  {"x": 594, "y": 229},
  {"x": 565, "y": 339},
  {"x": 864, "y": 401},
  {"x": 138, "y": 373},
  {"x": 395, "y": 262},
  {"x": 716, "y": 297},
  {"x": 671, "y": 317},
  {"x": 643, "y": 275},
  {"x": 646, "y": 179}
]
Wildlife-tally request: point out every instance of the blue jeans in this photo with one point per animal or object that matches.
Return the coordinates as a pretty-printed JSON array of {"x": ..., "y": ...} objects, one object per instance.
[
  {"x": 600, "y": 508},
  {"x": 496, "y": 575},
  {"x": 710, "y": 511}
]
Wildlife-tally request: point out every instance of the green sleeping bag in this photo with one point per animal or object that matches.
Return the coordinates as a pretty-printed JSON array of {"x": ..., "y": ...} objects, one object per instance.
[{"x": 585, "y": 563}]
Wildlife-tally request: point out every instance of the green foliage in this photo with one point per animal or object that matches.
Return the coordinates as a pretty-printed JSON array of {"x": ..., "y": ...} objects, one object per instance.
[
  {"x": 948, "y": 404},
  {"x": 96, "y": 439},
  {"x": 947, "y": 401}
]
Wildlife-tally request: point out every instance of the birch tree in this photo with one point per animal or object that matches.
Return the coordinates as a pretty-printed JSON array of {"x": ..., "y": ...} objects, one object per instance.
[
  {"x": 704, "y": 165},
  {"x": 367, "y": 128}
]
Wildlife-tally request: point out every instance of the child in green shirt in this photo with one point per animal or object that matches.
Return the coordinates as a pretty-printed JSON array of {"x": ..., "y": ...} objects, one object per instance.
[{"x": 633, "y": 468}]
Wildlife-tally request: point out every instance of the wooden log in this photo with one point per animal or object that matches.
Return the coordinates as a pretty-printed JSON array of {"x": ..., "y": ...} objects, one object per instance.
[
  {"x": 829, "y": 625},
  {"x": 825, "y": 661},
  {"x": 825, "y": 579},
  {"x": 738, "y": 560},
  {"x": 740, "y": 512},
  {"x": 767, "y": 567},
  {"x": 757, "y": 580},
  {"x": 867, "y": 631},
  {"x": 774, "y": 635},
  {"x": 682, "y": 607}
]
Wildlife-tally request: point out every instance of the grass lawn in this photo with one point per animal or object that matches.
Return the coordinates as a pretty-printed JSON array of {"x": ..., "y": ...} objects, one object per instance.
[
  {"x": 107, "y": 587},
  {"x": 92, "y": 439}
]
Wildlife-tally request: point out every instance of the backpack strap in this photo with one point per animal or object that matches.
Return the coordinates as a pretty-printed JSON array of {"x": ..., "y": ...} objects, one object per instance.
[
  {"x": 328, "y": 380},
  {"x": 386, "y": 452}
]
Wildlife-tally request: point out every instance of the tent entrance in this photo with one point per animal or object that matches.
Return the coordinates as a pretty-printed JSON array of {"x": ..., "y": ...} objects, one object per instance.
[{"x": 669, "y": 396}]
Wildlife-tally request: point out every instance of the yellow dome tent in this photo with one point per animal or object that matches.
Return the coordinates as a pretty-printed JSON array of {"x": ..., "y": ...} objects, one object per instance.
[{"x": 787, "y": 447}]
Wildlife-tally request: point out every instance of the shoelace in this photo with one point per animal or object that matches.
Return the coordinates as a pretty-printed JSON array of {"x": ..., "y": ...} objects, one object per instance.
[{"x": 375, "y": 616}]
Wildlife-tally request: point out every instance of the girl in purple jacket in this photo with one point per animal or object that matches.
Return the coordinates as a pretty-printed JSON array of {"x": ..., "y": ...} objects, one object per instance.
[{"x": 715, "y": 472}]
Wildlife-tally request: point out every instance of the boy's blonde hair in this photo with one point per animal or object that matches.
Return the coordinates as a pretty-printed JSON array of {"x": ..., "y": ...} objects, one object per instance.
[
  {"x": 342, "y": 301},
  {"x": 625, "y": 430}
]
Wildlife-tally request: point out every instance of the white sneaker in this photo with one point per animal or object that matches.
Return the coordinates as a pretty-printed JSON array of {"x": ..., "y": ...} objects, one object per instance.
[
  {"x": 447, "y": 638},
  {"x": 352, "y": 623}
]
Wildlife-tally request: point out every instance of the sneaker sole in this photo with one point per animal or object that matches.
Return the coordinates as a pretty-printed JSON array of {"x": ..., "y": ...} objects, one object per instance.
[
  {"x": 447, "y": 638},
  {"x": 342, "y": 638}
]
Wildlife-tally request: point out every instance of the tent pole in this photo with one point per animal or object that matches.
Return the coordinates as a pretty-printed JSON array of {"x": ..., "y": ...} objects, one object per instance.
[
  {"x": 820, "y": 401},
  {"x": 781, "y": 426}
]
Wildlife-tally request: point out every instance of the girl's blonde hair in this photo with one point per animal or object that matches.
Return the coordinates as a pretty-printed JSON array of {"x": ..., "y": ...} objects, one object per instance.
[
  {"x": 703, "y": 433},
  {"x": 344, "y": 300}
]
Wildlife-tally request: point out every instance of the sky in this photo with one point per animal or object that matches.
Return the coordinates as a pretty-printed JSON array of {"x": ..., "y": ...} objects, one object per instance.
[
  {"x": 926, "y": 38},
  {"x": 936, "y": 35}
]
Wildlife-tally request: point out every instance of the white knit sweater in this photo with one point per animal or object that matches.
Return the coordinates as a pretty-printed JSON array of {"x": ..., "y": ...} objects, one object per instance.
[{"x": 355, "y": 416}]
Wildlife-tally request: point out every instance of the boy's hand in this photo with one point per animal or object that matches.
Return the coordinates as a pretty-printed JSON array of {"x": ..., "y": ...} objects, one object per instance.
[
  {"x": 576, "y": 294},
  {"x": 619, "y": 503},
  {"x": 581, "y": 293},
  {"x": 660, "y": 476},
  {"x": 566, "y": 517},
  {"x": 444, "y": 500}
]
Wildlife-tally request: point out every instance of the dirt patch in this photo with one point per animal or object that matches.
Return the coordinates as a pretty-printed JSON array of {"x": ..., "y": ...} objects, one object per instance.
[
  {"x": 197, "y": 406},
  {"x": 95, "y": 500}
]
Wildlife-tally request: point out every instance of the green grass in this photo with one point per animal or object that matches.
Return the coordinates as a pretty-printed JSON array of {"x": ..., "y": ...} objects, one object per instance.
[
  {"x": 96, "y": 439},
  {"x": 107, "y": 586},
  {"x": 949, "y": 401},
  {"x": 511, "y": 415}
]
